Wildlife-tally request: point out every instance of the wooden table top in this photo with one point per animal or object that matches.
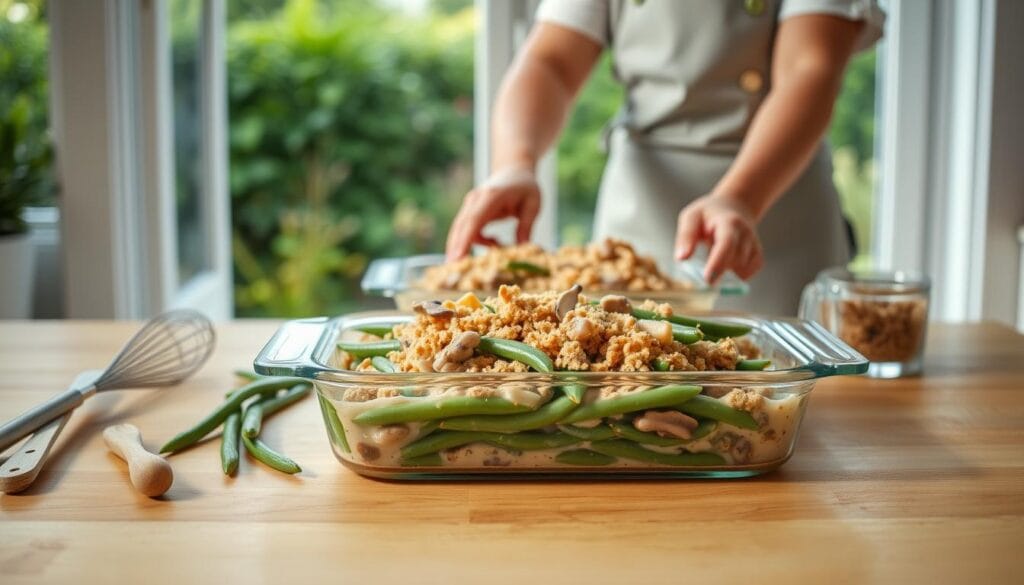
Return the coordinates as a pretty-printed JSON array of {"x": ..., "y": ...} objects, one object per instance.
[{"x": 917, "y": 480}]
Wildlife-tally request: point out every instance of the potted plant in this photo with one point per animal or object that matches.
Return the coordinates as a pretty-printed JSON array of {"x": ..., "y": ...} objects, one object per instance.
[{"x": 26, "y": 157}]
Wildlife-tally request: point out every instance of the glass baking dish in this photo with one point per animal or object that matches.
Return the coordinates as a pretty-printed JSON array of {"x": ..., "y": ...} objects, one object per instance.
[
  {"x": 398, "y": 278},
  {"x": 433, "y": 442}
]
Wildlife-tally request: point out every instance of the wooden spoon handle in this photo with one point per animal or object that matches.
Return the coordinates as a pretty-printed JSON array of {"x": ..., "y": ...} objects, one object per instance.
[{"x": 150, "y": 474}]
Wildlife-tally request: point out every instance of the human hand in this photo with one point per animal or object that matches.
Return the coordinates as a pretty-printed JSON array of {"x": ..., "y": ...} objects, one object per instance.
[
  {"x": 511, "y": 192},
  {"x": 729, "y": 227}
]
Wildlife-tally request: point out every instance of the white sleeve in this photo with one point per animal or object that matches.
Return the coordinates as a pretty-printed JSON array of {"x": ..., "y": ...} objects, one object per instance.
[
  {"x": 588, "y": 17},
  {"x": 865, "y": 10}
]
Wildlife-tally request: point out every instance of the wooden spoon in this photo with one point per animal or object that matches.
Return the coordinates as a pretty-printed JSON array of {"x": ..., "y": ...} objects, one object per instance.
[{"x": 150, "y": 474}]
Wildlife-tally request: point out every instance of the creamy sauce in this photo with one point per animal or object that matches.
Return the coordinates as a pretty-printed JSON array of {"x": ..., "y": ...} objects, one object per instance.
[{"x": 772, "y": 442}]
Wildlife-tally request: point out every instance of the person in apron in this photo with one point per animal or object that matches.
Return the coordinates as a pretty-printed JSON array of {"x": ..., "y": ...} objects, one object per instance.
[{"x": 719, "y": 141}]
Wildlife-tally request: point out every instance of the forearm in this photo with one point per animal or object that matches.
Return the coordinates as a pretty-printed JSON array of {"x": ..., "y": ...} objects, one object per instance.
[
  {"x": 529, "y": 112},
  {"x": 536, "y": 94},
  {"x": 782, "y": 139},
  {"x": 809, "y": 57}
]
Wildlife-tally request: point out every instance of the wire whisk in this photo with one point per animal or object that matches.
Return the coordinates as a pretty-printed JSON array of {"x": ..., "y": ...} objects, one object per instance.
[{"x": 169, "y": 348}]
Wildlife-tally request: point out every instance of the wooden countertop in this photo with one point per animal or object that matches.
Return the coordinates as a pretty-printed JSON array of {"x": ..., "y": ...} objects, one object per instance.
[{"x": 916, "y": 480}]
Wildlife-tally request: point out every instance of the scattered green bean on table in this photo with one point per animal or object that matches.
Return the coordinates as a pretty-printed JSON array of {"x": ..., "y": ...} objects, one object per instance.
[
  {"x": 221, "y": 413},
  {"x": 229, "y": 448},
  {"x": 262, "y": 452}
]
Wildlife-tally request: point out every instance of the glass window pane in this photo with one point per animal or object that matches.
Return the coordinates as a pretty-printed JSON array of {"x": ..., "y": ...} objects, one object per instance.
[
  {"x": 351, "y": 138},
  {"x": 852, "y": 137},
  {"x": 26, "y": 151},
  {"x": 185, "y": 25}
]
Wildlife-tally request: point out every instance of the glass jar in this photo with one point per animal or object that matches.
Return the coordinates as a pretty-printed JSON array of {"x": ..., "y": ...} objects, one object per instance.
[{"x": 883, "y": 315}]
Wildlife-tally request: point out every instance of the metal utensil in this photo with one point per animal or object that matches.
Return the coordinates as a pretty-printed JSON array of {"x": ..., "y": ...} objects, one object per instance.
[{"x": 169, "y": 348}]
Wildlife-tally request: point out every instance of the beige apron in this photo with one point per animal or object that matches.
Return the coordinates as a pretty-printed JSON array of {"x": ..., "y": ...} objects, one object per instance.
[{"x": 695, "y": 71}]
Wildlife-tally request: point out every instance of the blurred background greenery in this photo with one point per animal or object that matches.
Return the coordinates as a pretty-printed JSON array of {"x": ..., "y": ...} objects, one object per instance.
[{"x": 351, "y": 137}]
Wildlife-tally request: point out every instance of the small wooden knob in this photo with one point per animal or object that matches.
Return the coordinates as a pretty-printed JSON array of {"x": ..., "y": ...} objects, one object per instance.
[{"x": 150, "y": 474}]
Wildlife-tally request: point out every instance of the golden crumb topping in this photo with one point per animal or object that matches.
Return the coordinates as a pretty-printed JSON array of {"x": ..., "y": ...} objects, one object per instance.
[{"x": 586, "y": 338}]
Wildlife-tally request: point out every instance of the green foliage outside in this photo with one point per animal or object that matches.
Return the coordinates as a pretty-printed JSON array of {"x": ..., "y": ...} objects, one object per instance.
[
  {"x": 351, "y": 138},
  {"x": 26, "y": 154}
]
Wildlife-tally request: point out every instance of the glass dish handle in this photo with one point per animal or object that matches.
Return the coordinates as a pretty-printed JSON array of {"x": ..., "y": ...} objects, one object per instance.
[
  {"x": 290, "y": 351},
  {"x": 823, "y": 352}
]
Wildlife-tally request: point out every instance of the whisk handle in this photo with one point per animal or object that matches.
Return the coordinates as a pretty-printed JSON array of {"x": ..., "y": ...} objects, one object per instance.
[{"x": 29, "y": 421}]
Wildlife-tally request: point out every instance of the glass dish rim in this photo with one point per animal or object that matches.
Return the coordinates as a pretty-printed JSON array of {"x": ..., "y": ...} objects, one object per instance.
[
  {"x": 394, "y": 270},
  {"x": 812, "y": 347}
]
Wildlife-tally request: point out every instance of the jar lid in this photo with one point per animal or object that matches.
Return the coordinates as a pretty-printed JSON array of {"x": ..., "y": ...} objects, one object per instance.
[{"x": 875, "y": 281}]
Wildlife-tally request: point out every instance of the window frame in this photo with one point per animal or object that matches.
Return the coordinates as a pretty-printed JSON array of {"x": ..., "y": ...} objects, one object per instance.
[{"x": 112, "y": 114}]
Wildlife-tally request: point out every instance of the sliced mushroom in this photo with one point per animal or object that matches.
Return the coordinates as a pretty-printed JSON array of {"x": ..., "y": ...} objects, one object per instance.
[
  {"x": 567, "y": 301},
  {"x": 581, "y": 329},
  {"x": 390, "y": 434},
  {"x": 459, "y": 350},
  {"x": 368, "y": 452},
  {"x": 616, "y": 304},
  {"x": 433, "y": 309},
  {"x": 669, "y": 423},
  {"x": 661, "y": 330}
]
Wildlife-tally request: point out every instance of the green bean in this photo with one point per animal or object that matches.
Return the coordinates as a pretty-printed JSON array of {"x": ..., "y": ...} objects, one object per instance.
[
  {"x": 426, "y": 428},
  {"x": 687, "y": 335},
  {"x": 262, "y": 452},
  {"x": 254, "y": 414},
  {"x": 378, "y": 330},
  {"x": 383, "y": 364},
  {"x": 598, "y": 433},
  {"x": 517, "y": 351},
  {"x": 631, "y": 450},
  {"x": 428, "y": 460},
  {"x": 229, "y": 453},
  {"x": 429, "y": 409},
  {"x": 489, "y": 308},
  {"x": 642, "y": 400},
  {"x": 365, "y": 350},
  {"x": 248, "y": 375},
  {"x": 627, "y": 431},
  {"x": 752, "y": 365},
  {"x": 713, "y": 330},
  {"x": 215, "y": 418},
  {"x": 442, "y": 440},
  {"x": 707, "y": 407},
  {"x": 527, "y": 267},
  {"x": 584, "y": 457},
  {"x": 548, "y": 414},
  {"x": 531, "y": 441},
  {"x": 704, "y": 428},
  {"x": 660, "y": 365},
  {"x": 335, "y": 430},
  {"x": 575, "y": 392}
]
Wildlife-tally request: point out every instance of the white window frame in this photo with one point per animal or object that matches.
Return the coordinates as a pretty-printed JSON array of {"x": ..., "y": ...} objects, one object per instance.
[
  {"x": 949, "y": 200},
  {"x": 111, "y": 114},
  {"x": 502, "y": 26}
]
